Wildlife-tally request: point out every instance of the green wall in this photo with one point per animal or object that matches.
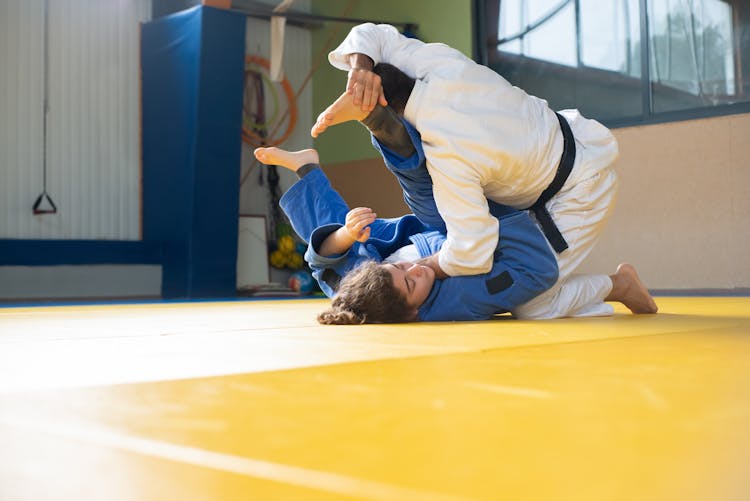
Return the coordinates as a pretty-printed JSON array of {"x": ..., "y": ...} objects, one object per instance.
[{"x": 447, "y": 21}]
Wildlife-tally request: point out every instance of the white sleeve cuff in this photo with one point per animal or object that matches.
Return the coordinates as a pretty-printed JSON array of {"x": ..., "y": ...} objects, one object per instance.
[{"x": 450, "y": 267}]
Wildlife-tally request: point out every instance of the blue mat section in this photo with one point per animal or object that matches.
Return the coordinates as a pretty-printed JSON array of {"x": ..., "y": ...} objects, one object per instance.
[{"x": 192, "y": 74}]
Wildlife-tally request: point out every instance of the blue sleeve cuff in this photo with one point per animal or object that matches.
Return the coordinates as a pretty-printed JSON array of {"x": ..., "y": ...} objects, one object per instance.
[
  {"x": 312, "y": 256},
  {"x": 396, "y": 162}
]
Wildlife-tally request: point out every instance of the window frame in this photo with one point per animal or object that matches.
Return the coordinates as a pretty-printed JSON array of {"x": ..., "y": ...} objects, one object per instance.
[{"x": 485, "y": 18}]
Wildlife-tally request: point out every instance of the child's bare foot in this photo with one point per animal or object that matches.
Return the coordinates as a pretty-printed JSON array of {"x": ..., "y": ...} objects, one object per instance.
[
  {"x": 628, "y": 289},
  {"x": 342, "y": 110},
  {"x": 292, "y": 160}
]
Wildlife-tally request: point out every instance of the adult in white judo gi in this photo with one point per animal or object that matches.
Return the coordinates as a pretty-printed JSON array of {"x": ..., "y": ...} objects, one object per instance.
[{"x": 486, "y": 139}]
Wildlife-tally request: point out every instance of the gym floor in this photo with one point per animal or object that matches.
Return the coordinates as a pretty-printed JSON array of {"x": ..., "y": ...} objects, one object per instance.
[{"x": 255, "y": 400}]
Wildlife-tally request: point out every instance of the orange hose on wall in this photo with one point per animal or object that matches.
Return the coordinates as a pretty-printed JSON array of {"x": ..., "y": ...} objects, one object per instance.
[
  {"x": 221, "y": 4},
  {"x": 252, "y": 137}
]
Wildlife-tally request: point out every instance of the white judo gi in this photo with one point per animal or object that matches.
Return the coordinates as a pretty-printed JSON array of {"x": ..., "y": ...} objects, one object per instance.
[{"x": 486, "y": 139}]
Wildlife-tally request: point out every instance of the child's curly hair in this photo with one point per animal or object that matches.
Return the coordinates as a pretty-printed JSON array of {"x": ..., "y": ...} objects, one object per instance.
[{"x": 367, "y": 295}]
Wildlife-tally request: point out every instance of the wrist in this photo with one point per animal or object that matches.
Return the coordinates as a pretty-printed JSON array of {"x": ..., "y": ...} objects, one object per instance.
[
  {"x": 359, "y": 61},
  {"x": 345, "y": 236}
]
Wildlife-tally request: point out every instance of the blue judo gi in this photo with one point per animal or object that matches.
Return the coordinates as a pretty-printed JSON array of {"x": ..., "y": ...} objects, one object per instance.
[{"x": 524, "y": 265}]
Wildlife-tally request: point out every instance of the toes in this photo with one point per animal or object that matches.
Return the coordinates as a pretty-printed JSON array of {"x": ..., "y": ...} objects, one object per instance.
[{"x": 318, "y": 129}]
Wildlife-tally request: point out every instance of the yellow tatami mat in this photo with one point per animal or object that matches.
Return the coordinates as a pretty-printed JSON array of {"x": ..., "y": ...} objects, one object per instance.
[{"x": 255, "y": 400}]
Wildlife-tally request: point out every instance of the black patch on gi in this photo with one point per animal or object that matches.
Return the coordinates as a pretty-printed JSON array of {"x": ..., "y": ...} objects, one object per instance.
[
  {"x": 332, "y": 279},
  {"x": 499, "y": 283}
]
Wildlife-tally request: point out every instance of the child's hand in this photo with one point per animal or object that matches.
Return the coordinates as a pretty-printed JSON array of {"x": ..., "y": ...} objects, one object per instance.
[{"x": 358, "y": 221}]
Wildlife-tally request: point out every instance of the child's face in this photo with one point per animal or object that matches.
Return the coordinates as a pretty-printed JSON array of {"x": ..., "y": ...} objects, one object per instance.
[{"x": 413, "y": 280}]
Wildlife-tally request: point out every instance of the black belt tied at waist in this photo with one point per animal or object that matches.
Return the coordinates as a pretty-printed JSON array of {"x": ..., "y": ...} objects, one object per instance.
[{"x": 549, "y": 228}]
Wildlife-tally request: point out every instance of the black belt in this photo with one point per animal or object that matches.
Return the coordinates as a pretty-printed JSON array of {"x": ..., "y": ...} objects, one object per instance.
[{"x": 549, "y": 228}]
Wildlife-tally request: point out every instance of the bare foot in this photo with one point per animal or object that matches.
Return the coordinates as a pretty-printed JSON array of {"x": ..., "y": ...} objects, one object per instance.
[
  {"x": 342, "y": 110},
  {"x": 628, "y": 289},
  {"x": 292, "y": 160}
]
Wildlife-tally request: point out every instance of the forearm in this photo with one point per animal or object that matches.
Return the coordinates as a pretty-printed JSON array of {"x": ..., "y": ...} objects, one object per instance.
[
  {"x": 472, "y": 231},
  {"x": 391, "y": 132},
  {"x": 336, "y": 243},
  {"x": 358, "y": 61}
]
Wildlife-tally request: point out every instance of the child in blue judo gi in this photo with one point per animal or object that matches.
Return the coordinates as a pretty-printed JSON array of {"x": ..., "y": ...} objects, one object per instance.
[{"x": 355, "y": 257}]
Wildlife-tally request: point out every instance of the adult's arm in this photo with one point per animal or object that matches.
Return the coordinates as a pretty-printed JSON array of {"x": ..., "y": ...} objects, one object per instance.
[
  {"x": 472, "y": 231},
  {"x": 459, "y": 196},
  {"x": 382, "y": 43},
  {"x": 369, "y": 44}
]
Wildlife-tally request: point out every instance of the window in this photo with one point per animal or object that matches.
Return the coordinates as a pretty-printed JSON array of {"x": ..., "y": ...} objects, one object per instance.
[
  {"x": 692, "y": 56},
  {"x": 516, "y": 16},
  {"x": 624, "y": 61}
]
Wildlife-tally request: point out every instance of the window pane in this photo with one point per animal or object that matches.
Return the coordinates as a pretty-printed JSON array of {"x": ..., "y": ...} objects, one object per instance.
[
  {"x": 606, "y": 82},
  {"x": 554, "y": 40},
  {"x": 610, "y": 76},
  {"x": 693, "y": 54},
  {"x": 610, "y": 36}
]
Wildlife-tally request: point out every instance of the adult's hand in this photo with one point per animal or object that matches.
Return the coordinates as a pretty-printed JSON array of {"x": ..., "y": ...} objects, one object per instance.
[{"x": 363, "y": 84}]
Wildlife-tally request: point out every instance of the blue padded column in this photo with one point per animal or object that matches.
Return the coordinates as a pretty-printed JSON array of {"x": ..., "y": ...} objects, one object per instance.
[{"x": 192, "y": 74}]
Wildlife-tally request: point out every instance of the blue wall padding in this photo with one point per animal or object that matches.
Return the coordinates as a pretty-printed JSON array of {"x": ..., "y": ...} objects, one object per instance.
[
  {"x": 78, "y": 252},
  {"x": 192, "y": 86}
]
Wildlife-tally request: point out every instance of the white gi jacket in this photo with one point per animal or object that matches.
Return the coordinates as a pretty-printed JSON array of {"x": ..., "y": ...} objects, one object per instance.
[{"x": 482, "y": 137}]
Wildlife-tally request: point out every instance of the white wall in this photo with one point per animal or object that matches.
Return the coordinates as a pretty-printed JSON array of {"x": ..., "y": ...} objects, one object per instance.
[
  {"x": 683, "y": 212},
  {"x": 93, "y": 137},
  {"x": 94, "y": 169}
]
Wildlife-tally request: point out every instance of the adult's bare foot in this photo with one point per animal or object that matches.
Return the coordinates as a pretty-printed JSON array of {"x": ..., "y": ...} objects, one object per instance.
[
  {"x": 628, "y": 289},
  {"x": 342, "y": 110},
  {"x": 292, "y": 160}
]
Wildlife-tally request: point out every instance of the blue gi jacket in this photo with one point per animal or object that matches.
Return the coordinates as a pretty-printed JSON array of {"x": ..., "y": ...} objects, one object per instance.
[{"x": 524, "y": 265}]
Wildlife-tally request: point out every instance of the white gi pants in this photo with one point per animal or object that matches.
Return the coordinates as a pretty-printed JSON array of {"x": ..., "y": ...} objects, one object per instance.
[{"x": 580, "y": 213}]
